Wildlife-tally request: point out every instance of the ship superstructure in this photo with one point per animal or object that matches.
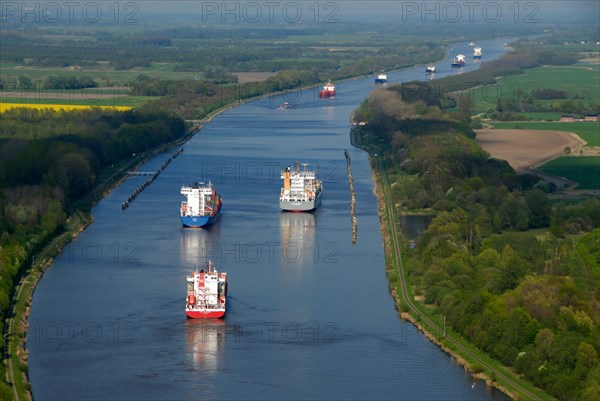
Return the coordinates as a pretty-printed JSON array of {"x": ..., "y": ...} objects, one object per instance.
[{"x": 301, "y": 191}]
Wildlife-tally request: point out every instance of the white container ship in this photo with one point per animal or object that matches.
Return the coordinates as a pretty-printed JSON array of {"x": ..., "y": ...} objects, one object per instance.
[{"x": 301, "y": 191}]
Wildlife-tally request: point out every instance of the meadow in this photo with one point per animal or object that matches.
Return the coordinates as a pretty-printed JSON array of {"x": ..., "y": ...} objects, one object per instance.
[
  {"x": 585, "y": 170},
  {"x": 580, "y": 81}
]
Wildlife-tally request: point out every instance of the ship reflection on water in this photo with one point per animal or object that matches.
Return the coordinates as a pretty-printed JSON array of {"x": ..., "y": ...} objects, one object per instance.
[
  {"x": 197, "y": 246},
  {"x": 205, "y": 338},
  {"x": 205, "y": 341},
  {"x": 297, "y": 237}
]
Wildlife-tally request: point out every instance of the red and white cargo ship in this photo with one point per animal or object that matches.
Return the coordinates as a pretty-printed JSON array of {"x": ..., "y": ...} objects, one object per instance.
[
  {"x": 328, "y": 90},
  {"x": 206, "y": 294}
]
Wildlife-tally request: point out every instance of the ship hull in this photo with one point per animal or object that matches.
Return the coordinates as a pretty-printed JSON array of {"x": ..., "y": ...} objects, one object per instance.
[
  {"x": 205, "y": 314},
  {"x": 199, "y": 221},
  {"x": 326, "y": 94},
  {"x": 477, "y": 57},
  {"x": 380, "y": 80},
  {"x": 457, "y": 65},
  {"x": 300, "y": 206}
]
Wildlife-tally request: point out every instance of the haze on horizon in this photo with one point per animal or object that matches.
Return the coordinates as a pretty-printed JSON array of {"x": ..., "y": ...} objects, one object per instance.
[{"x": 377, "y": 11}]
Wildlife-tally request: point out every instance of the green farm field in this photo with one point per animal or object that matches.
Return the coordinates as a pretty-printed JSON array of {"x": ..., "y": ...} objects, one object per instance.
[
  {"x": 585, "y": 170},
  {"x": 99, "y": 73},
  {"x": 588, "y": 131},
  {"x": 581, "y": 80}
]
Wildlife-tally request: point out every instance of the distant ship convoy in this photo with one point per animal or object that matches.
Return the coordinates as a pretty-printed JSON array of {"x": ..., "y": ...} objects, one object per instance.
[{"x": 301, "y": 192}]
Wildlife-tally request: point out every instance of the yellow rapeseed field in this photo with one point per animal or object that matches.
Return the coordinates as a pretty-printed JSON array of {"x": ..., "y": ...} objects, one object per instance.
[{"x": 57, "y": 107}]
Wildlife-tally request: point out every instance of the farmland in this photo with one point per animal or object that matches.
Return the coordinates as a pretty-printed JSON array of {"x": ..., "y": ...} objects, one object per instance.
[
  {"x": 584, "y": 170},
  {"x": 56, "y": 107},
  {"x": 588, "y": 131},
  {"x": 579, "y": 82}
]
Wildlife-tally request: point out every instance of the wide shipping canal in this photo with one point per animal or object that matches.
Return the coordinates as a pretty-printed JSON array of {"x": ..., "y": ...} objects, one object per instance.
[{"x": 309, "y": 313}]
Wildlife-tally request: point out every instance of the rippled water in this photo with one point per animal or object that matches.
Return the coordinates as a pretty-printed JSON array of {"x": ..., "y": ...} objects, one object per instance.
[{"x": 309, "y": 315}]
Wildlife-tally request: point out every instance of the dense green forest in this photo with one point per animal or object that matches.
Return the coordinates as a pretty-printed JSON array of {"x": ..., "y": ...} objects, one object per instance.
[
  {"x": 527, "y": 298},
  {"x": 49, "y": 160}
]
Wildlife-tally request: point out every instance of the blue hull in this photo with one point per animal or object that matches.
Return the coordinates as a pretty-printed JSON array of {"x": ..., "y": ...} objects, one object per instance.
[{"x": 199, "y": 221}]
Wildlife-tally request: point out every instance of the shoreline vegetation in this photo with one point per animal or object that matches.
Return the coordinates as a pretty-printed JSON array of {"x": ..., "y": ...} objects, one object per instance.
[
  {"x": 488, "y": 279},
  {"x": 16, "y": 326},
  {"x": 479, "y": 367}
]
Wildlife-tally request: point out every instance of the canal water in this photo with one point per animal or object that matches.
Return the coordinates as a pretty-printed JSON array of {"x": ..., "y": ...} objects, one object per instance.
[{"x": 309, "y": 313}]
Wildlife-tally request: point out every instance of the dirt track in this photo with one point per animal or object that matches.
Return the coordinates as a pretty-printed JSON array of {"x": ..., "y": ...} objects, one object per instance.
[{"x": 527, "y": 148}]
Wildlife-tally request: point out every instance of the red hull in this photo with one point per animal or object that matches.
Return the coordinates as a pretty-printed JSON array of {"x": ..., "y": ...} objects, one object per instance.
[
  {"x": 213, "y": 314},
  {"x": 327, "y": 93}
]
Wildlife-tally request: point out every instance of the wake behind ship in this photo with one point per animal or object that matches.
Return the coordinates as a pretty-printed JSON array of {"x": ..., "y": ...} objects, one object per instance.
[
  {"x": 202, "y": 207},
  {"x": 301, "y": 191},
  {"x": 206, "y": 294}
]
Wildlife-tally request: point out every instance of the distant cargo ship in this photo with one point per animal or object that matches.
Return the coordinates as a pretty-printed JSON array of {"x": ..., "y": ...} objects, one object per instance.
[
  {"x": 206, "y": 294},
  {"x": 477, "y": 52},
  {"x": 430, "y": 69},
  {"x": 202, "y": 207},
  {"x": 471, "y": 43},
  {"x": 458, "y": 61},
  {"x": 301, "y": 191},
  {"x": 381, "y": 78},
  {"x": 328, "y": 90}
]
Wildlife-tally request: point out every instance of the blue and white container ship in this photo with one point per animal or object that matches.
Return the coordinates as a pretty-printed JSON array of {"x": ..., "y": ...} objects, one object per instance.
[{"x": 202, "y": 207}]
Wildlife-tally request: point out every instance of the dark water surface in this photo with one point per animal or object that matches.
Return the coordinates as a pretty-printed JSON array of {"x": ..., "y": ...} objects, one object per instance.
[{"x": 309, "y": 314}]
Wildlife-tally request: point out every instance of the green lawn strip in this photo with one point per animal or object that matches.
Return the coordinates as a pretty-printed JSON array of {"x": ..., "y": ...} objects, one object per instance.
[
  {"x": 582, "y": 169},
  {"x": 588, "y": 131}
]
